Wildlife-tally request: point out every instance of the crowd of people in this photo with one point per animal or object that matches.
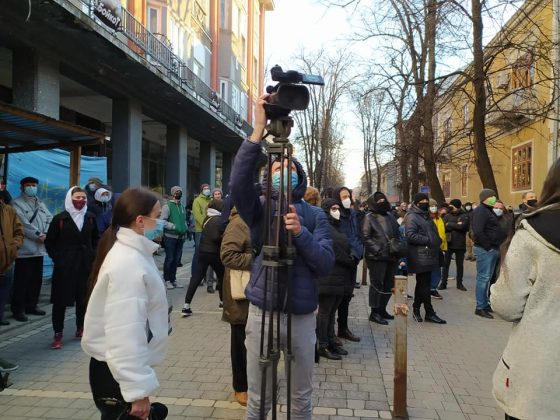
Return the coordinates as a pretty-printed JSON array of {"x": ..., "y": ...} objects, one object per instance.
[{"x": 102, "y": 250}]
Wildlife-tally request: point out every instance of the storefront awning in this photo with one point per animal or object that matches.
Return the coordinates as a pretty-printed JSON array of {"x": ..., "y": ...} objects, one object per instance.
[{"x": 24, "y": 131}]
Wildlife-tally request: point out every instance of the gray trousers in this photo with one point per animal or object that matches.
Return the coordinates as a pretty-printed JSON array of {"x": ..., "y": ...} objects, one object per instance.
[{"x": 303, "y": 350}]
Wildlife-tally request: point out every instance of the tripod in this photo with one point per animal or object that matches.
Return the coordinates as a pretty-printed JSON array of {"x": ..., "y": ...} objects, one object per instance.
[{"x": 278, "y": 254}]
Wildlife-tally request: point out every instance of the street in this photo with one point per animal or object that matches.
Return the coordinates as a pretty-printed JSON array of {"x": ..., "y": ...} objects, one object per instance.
[{"x": 449, "y": 367}]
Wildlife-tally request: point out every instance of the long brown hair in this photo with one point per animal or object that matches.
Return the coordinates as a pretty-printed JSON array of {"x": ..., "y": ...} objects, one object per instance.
[
  {"x": 133, "y": 202},
  {"x": 550, "y": 195}
]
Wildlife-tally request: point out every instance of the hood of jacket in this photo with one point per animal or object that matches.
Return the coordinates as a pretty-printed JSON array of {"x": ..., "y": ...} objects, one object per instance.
[
  {"x": 417, "y": 210},
  {"x": 298, "y": 191}
]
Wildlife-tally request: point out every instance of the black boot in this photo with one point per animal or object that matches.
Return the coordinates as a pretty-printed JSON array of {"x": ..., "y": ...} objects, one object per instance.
[
  {"x": 344, "y": 332},
  {"x": 443, "y": 285},
  {"x": 327, "y": 354},
  {"x": 377, "y": 318},
  {"x": 461, "y": 287}
]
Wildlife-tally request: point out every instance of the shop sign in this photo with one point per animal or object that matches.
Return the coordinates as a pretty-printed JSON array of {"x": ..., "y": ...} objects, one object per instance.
[{"x": 109, "y": 12}]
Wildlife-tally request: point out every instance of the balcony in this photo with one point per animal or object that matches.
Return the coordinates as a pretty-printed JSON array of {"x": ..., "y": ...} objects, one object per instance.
[{"x": 513, "y": 109}]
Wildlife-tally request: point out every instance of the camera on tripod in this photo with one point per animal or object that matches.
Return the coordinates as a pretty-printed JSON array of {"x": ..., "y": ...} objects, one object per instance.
[{"x": 289, "y": 93}]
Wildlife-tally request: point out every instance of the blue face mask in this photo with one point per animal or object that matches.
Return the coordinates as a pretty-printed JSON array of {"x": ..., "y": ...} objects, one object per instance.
[
  {"x": 157, "y": 231},
  {"x": 276, "y": 180},
  {"x": 30, "y": 191}
]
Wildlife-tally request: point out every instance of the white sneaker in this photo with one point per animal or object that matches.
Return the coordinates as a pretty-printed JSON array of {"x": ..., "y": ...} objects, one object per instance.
[
  {"x": 177, "y": 285},
  {"x": 169, "y": 285}
]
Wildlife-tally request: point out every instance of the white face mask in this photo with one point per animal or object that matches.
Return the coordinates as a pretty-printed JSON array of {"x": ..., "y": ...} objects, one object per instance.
[
  {"x": 346, "y": 203},
  {"x": 433, "y": 209},
  {"x": 335, "y": 214},
  {"x": 468, "y": 208},
  {"x": 498, "y": 212}
]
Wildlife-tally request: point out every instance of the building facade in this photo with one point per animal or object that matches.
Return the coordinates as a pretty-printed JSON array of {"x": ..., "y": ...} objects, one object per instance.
[
  {"x": 521, "y": 119},
  {"x": 147, "y": 73}
]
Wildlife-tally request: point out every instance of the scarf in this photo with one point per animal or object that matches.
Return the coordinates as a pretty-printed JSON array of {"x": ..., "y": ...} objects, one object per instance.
[{"x": 77, "y": 215}]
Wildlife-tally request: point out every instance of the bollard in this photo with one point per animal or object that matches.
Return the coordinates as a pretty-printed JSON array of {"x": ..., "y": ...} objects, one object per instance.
[
  {"x": 400, "y": 351},
  {"x": 364, "y": 272}
]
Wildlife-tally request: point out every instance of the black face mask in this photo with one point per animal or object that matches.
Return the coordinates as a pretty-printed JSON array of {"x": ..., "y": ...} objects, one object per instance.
[
  {"x": 424, "y": 206},
  {"x": 383, "y": 207},
  {"x": 178, "y": 195},
  {"x": 532, "y": 203}
]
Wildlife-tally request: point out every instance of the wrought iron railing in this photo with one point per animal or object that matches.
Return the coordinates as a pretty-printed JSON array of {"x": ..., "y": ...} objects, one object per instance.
[{"x": 159, "y": 53}]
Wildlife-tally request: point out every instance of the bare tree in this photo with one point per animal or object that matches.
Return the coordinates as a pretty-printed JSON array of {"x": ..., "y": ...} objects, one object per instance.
[{"x": 316, "y": 130}]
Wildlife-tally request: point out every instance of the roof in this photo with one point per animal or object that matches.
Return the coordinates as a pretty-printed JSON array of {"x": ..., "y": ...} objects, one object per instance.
[{"x": 23, "y": 131}]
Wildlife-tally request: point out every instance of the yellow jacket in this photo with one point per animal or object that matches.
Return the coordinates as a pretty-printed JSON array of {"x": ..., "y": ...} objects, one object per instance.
[{"x": 438, "y": 221}]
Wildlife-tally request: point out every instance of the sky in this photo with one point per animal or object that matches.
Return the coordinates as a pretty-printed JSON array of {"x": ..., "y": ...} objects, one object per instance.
[{"x": 296, "y": 23}]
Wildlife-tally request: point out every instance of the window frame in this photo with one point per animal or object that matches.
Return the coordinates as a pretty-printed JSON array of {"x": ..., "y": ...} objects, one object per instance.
[{"x": 514, "y": 149}]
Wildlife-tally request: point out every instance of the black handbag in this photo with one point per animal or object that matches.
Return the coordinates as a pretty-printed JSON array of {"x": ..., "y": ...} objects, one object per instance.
[
  {"x": 397, "y": 247},
  {"x": 426, "y": 256}
]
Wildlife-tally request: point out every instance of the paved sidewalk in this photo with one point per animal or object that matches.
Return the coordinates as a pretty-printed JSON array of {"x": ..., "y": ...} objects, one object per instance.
[{"x": 450, "y": 366}]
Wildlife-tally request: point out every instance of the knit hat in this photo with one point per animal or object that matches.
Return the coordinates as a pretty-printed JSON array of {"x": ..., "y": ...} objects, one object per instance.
[
  {"x": 378, "y": 196},
  {"x": 175, "y": 189},
  {"x": 486, "y": 193},
  {"x": 328, "y": 203},
  {"x": 456, "y": 203},
  {"x": 433, "y": 203},
  {"x": 95, "y": 180},
  {"x": 419, "y": 197},
  {"x": 217, "y": 189},
  {"x": 29, "y": 180},
  {"x": 204, "y": 186}
]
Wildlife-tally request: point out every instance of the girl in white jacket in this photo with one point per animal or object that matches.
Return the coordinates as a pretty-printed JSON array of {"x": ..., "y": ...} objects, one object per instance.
[{"x": 126, "y": 323}]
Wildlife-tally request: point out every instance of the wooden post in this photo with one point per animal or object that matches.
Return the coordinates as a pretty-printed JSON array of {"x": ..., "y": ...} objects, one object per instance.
[
  {"x": 364, "y": 272},
  {"x": 400, "y": 350},
  {"x": 75, "y": 155}
]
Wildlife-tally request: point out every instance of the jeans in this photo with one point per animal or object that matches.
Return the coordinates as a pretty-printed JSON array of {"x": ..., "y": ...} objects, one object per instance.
[
  {"x": 205, "y": 260},
  {"x": 173, "y": 250},
  {"x": 28, "y": 278},
  {"x": 422, "y": 293},
  {"x": 5, "y": 287},
  {"x": 459, "y": 260},
  {"x": 325, "y": 319},
  {"x": 485, "y": 264},
  {"x": 303, "y": 351},
  {"x": 238, "y": 358},
  {"x": 435, "y": 279}
]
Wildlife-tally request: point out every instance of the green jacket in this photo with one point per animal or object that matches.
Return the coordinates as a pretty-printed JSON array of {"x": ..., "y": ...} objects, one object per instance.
[
  {"x": 200, "y": 204},
  {"x": 175, "y": 215}
]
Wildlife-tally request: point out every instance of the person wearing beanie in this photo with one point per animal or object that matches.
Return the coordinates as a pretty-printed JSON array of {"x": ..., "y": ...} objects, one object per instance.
[
  {"x": 435, "y": 215},
  {"x": 175, "y": 216},
  {"x": 468, "y": 208},
  {"x": 488, "y": 235},
  {"x": 332, "y": 286},
  {"x": 200, "y": 204},
  {"x": 423, "y": 255},
  {"x": 217, "y": 194},
  {"x": 348, "y": 225},
  {"x": 378, "y": 228},
  {"x": 208, "y": 254},
  {"x": 456, "y": 227}
]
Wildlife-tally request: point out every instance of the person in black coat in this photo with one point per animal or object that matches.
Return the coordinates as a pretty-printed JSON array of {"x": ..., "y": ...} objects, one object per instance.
[
  {"x": 456, "y": 228},
  {"x": 71, "y": 241},
  {"x": 332, "y": 287},
  {"x": 423, "y": 255},
  {"x": 208, "y": 253},
  {"x": 378, "y": 228}
]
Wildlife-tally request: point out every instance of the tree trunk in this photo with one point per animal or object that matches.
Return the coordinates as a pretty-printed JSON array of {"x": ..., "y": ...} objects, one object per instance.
[{"x": 482, "y": 161}]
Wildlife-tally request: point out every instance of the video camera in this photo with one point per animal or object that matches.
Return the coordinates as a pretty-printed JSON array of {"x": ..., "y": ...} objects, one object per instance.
[{"x": 289, "y": 93}]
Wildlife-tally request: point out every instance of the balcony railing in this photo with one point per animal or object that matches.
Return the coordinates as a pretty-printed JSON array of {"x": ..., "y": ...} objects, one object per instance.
[
  {"x": 157, "y": 50},
  {"x": 513, "y": 109}
]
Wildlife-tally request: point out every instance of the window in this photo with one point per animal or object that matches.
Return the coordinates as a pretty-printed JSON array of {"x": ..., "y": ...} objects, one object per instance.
[
  {"x": 446, "y": 184},
  {"x": 436, "y": 129},
  {"x": 235, "y": 98},
  {"x": 153, "y": 20},
  {"x": 466, "y": 115},
  {"x": 224, "y": 90},
  {"x": 523, "y": 72},
  {"x": 521, "y": 167},
  {"x": 464, "y": 179},
  {"x": 235, "y": 19},
  {"x": 448, "y": 129}
]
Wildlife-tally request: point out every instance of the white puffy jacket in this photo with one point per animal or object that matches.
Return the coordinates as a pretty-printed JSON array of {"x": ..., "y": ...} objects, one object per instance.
[{"x": 126, "y": 323}]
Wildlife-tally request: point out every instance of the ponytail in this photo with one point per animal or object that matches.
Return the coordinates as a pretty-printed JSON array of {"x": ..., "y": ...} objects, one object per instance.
[{"x": 104, "y": 245}]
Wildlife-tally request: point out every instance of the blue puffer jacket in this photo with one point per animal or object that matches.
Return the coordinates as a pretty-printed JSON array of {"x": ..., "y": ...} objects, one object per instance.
[{"x": 315, "y": 256}]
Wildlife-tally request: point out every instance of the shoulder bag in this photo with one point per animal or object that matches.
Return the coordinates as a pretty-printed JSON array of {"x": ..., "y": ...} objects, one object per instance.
[
  {"x": 397, "y": 247},
  {"x": 239, "y": 279}
]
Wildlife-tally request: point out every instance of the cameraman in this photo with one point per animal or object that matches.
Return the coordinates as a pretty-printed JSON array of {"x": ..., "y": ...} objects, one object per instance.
[{"x": 314, "y": 258}]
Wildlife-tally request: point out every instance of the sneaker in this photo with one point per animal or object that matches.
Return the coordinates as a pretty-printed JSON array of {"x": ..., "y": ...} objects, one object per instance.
[
  {"x": 210, "y": 289},
  {"x": 185, "y": 312},
  {"x": 79, "y": 333},
  {"x": 221, "y": 305},
  {"x": 57, "y": 342},
  {"x": 177, "y": 285},
  {"x": 357, "y": 285},
  {"x": 169, "y": 285},
  {"x": 241, "y": 398},
  {"x": 435, "y": 294},
  {"x": 451, "y": 278}
]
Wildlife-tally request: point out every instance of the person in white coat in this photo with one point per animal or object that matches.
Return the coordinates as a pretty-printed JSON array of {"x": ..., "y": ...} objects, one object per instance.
[
  {"x": 527, "y": 379},
  {"x": 126, "y": 323}
]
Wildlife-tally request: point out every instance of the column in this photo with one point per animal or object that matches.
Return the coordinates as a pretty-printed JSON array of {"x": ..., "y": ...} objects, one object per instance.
[
  {"x": 227, "y": 160},
  {"x": 126, "y": 140},
  {"x": 176, "y": 159},
  {"x": 207, "y": 164},
  {"x": 36, "y": 84}
]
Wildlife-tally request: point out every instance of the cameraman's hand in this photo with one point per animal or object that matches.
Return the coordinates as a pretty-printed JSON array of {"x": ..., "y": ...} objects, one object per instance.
[
  {"x": 291, "y": 220},
  {"x": 260, "y": 119}
]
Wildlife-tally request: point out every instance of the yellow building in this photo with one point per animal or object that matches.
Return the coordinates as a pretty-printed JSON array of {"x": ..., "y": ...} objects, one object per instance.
[{"x": 520, "y": 128}]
